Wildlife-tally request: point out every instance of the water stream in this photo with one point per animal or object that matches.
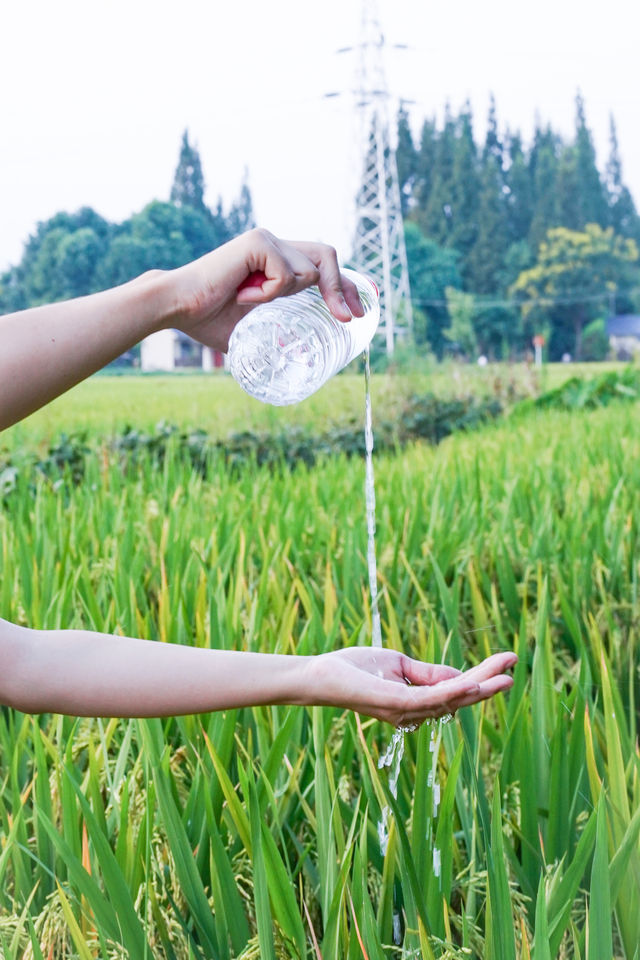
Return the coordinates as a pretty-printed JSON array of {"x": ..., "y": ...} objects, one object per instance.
[
  {"x": 392, "y": 758},
  {"x": 370, "y": 497}
]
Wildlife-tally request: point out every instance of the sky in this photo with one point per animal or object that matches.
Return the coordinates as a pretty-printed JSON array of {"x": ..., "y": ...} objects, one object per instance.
[{"x": 95, "y": 95}]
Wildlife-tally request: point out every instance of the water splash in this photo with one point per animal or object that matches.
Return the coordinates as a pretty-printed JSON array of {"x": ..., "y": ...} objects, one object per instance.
[
  {"x": 432, "y": 781},
  {"x": 370, "y": 499},
  {"x": 392, "y": 759}
]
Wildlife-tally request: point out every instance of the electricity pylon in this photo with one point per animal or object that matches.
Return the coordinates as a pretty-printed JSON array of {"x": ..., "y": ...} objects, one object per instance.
[{"x": 379, "y": 248}]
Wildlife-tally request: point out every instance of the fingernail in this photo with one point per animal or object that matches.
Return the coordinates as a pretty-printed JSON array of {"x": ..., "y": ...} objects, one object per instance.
[{"x": 345, "y": 307}]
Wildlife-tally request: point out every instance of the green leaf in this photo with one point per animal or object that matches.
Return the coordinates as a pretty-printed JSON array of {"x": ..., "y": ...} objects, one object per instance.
[
  {"x": 541, "y": 949},
  {"x": 75, "y": 931},
  {"x": 503, "y": 943},
  {"x": 600, "y": 943},
  {"x": 190, "y": 880},
  {"x": 132, "y": 933},
  {"x": 260, "y": 882}
]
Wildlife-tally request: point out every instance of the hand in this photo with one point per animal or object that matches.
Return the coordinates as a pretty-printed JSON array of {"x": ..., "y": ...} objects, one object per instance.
[
  {"x": 390, "y": 686},
  {"x": 209, "y": 303}
]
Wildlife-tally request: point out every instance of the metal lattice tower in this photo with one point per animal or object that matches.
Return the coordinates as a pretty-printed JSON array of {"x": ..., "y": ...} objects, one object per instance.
[{"x": 379, "y": 248}]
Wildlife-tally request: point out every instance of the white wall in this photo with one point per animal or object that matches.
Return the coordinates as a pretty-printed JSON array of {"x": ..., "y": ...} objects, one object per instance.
[{"x": 156, "y": 351}]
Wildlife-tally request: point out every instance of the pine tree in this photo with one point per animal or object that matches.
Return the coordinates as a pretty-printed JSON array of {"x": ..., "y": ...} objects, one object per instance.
[
  {"x": 519, "y": 192},
  {"x": 241, "y": 213},
  {"x": 486, "y": 258},
  {"x": 485, "y": 262},
  {"x": 543, "y": 163},
  {"x": 623, "y": 216},
  {"x": 426, "y": 164},
  {"x": 465, "y": 189},
  {"x": 493, "y": 146},
  {"x": 435, "y": 215},
  {"x": 188, "y": 181},
  {"x": 592, "y": 206},
  {"x": 406, "y": 161},
  {"x": 568, "y": 188}
]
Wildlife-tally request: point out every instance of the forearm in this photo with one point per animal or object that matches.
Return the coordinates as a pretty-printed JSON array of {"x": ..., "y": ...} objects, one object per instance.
[
  {"x": 88, "y": 674},
  {"x": 46, "y": 350}
]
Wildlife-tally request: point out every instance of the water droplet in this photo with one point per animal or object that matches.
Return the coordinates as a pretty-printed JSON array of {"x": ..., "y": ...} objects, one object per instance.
[{"x": 397, "y": 929}]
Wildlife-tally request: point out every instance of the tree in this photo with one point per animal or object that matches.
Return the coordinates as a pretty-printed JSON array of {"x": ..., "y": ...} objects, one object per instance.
[
  {"x": 486, "y": 258},
  {"x": 465, "y": 189},
  {"x": 544, "y": 165},
  {"x": 592, "y": 206},
  {"x": 432, "y": 269},
  {"x": 240, "y": 216},
  {"x": 519, "y": 192},
  {"x": 425, "y": 167},
  {"x": 493, "y": 146},
  {"x": 73, "y": 254},
  {"x": 595, "y": 342},
  {"x": 435, "y": 212},
  {"x": 162, "y": 236},
  {"x": 623, "y": 216},
  {"x": 485, "y": 262},
  {"x": 406, "y": 161},
  {"x": 188, "y": 181},
  {"x": 61, "y": 259},
  {"x": 581, "y": 195},
  {"x": 460, "y": 333},
  {"x": 573, "y": 280}
]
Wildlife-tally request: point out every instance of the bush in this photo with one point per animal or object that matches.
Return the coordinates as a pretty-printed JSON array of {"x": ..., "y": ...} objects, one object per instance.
[
  {"x": 595, "y": 342},
  {"x": 577, "y": 394}
]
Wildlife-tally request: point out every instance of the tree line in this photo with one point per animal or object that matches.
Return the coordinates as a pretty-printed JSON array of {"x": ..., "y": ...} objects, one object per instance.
[
  {"x": 506, "y": 241},
  {"x": 75, "y": 254}
]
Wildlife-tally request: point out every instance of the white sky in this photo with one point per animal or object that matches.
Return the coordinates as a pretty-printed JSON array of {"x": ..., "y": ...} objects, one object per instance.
[{"x": 94, "y": 95}]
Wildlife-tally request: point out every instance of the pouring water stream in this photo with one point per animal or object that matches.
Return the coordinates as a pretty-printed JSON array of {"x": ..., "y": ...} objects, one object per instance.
[{"x": 395, "y": 751}]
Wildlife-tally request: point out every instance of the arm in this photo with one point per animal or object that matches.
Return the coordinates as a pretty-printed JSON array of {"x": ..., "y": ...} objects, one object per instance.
[
  {"x": 71, "y": 340},
  {"x": 92, "y": 674},
  {"x": 89, "y": 674}
]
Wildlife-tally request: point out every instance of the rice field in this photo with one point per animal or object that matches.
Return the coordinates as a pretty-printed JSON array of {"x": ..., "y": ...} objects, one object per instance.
[
  {"x": 105, "y": 404},
  {"x": 254, "y": 833}
]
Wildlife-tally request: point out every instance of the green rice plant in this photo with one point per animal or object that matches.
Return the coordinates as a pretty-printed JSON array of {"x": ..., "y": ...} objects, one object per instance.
[{"x": 255, "y": 832}]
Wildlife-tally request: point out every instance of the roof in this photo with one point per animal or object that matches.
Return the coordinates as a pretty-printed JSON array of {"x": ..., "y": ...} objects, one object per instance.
[{"x": 625, "y": 325}]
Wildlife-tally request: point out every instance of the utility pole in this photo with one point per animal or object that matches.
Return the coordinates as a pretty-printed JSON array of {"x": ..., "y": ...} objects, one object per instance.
[{"x": 379, "y": 248}]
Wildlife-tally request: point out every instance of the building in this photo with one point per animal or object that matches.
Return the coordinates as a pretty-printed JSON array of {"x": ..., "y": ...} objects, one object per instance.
[
  {"x": 173, "y": 350},
  {"x": 624, "y": 336}
]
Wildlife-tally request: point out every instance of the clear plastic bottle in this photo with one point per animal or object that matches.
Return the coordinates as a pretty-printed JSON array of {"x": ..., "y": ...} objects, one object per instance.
[{"x": 282, "y": 352}]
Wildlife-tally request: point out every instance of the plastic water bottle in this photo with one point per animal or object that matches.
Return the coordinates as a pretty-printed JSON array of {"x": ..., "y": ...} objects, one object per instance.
[{"x": 282, "y": 352}]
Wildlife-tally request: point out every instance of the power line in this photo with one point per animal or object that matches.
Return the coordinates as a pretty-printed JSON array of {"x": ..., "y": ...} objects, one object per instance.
[{"x": 575, "y": 297}]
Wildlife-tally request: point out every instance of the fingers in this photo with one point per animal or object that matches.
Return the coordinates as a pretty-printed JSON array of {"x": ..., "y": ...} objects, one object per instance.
[
  {"x": 493, "y": 665},
  {"x": 486, "y": 690},
  {"x": 339, "y": 293},
  {"x": 277, "y": 268},
  {"x": 437, "y": 698},
  {"x": 421, "y": 674},
  {"x": 390, "y": 686}
]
